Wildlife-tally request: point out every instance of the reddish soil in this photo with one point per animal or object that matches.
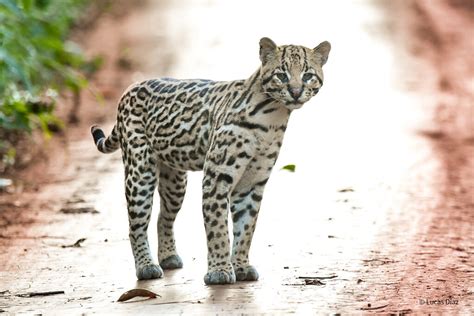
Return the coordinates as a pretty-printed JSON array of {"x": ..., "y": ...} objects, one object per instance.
[{"x": 438, "y": 35}]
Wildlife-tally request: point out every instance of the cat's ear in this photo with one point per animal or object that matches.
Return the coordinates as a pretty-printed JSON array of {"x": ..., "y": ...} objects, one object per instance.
[
  {"x": 267, "y": 49},
  {"x": 322, "y": 51}
]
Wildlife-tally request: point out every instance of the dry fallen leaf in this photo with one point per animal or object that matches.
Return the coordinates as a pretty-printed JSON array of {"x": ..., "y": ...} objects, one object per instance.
[{"x": 136, "y": 293}]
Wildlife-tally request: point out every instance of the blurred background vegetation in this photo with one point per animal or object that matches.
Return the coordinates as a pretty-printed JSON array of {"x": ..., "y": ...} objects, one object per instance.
[{"x": 37, "y": 64}]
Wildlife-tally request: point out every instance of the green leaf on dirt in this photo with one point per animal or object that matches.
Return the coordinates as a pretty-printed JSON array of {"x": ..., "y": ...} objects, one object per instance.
[{"x": 290, "y": 168}]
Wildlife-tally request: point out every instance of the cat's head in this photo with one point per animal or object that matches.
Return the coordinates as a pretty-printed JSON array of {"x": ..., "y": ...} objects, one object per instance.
[{"x": 292, "y": 74}]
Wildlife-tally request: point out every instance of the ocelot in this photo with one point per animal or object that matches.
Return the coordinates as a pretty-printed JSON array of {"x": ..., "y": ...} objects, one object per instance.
[{"x": 231, "y": 130}]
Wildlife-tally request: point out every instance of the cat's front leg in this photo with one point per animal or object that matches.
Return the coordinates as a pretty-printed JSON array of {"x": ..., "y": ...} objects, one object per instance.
[
  {"x": 245, "y": 205},
  {"x": 218, "y": 182}
]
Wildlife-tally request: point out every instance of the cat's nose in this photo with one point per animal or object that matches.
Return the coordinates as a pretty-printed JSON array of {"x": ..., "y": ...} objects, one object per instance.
[{"x": 295, "y": 92}]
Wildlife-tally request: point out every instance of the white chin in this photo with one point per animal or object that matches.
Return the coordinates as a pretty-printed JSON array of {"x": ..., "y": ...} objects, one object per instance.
[{"x": 293, "y": 106}]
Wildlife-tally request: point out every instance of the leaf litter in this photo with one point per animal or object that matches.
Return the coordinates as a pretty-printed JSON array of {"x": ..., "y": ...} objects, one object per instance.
[{"x": 137, "y": 293}]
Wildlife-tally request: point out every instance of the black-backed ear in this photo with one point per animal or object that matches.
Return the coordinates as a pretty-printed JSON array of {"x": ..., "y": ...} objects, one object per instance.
[
  {"x": 267, "y": 49},
  {"x": 322, "y": 51}
]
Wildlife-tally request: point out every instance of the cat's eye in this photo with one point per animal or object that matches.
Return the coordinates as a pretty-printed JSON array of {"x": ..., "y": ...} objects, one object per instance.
[
  {"x": 307, "y": 76},
  {"x": 282, "y": 77}
]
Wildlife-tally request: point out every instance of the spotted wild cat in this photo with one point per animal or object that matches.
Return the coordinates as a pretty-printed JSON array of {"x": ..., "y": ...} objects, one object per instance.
[{"x": 231, "y": 130}]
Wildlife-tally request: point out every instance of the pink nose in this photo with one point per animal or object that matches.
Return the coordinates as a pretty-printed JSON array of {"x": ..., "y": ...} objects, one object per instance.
[{"x": 295, "y": 93}]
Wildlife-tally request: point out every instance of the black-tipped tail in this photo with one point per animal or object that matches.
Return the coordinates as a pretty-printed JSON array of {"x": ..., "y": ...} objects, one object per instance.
[
  {"x": 105, "y": 145},
  {"x": 97, "y": 134}
]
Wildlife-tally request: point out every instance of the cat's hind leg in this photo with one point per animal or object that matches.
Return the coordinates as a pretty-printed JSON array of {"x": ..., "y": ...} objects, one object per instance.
[
  {"x": 140, "y": 183},
  {"x": 171, "y": 187}
]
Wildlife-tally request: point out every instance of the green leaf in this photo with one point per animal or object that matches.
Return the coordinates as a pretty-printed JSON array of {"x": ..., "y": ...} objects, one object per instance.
[
  {"x": 42, "y": 4},
  {"x": 27, "y": 4},
  {"x": 11, "y": 6},
  {"x": 290, "y": 168}
]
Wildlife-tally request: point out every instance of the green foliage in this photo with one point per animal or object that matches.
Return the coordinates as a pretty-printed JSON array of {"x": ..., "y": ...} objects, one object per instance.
[
  {"x": 37, "y": 62},
  {"x": 290, "y": 168}
]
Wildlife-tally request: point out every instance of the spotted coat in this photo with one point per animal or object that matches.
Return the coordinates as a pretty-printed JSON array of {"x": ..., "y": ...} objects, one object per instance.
[{"x": 231, "y": 130}]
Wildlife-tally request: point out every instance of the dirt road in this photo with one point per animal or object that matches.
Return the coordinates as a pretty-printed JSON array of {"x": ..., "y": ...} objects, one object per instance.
[{"x": 379, "y": 211}]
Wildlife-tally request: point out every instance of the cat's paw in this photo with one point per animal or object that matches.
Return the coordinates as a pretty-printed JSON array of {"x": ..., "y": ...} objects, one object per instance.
[
  {"x": 172, "y": 262},
  {"x": 149, "y": 271},
  {"x": 248, "y": 273},
  {"x": 220, "y": 277}
]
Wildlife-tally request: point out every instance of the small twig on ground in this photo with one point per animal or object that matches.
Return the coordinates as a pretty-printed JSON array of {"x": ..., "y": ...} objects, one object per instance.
[
  {"x": 313, "y": 282},
  {"x": 47, "y": 293},
  {"x": 346, "y": 190},
  {"x": 79, "y": 299},
  {"x": 306, "y": 282},
  {"x": 179, "y": 302},
  {"x": 78, "y": 210},
  {"x": 318, "y": 277},
  {"x": 77, "y": 244},
  {"x": 373, "y": 308},
  {"x": 30, "y": 237},
  {"x": 380, "y": 260}
]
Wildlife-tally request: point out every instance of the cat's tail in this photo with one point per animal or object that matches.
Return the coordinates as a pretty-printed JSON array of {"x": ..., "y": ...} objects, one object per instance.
[{"x": 105, "y": 145}]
